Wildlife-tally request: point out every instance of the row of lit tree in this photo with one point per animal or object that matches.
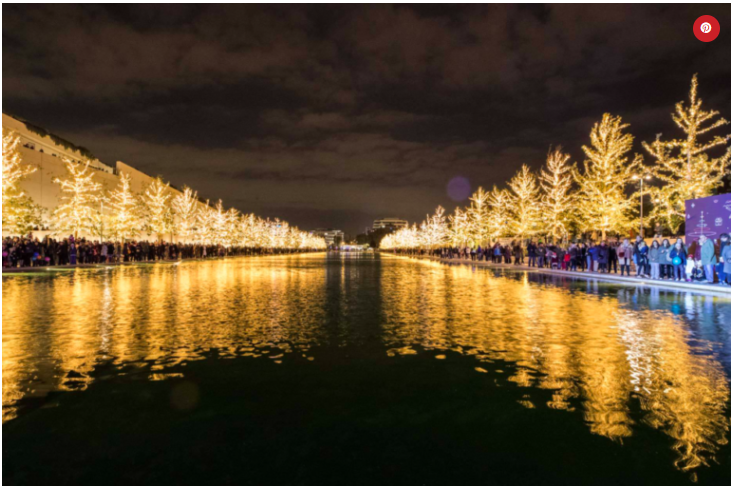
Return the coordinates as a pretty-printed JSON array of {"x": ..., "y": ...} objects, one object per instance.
[
  {"x": 120, "y": 214},
  {"x": 562, "y": 200}
]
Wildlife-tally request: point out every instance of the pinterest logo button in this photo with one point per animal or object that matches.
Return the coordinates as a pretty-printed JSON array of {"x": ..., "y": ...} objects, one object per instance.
[{"x": 706, "y": 28}]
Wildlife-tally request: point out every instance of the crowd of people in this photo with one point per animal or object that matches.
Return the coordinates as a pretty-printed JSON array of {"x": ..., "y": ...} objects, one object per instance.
[
  {"x": 704, "y": 260},
  {"x": 32, "y": 252}
]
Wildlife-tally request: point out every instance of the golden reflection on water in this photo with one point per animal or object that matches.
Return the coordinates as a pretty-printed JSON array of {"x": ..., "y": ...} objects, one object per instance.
[
  {"x": 601, "y": 351},
  {"x": 598, "y": 354}
]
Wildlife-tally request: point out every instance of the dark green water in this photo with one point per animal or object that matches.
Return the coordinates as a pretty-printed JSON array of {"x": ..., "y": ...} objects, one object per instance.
[{"x": 355, "y": 370}]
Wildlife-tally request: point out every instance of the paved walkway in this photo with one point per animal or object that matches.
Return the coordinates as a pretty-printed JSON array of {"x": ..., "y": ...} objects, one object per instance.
[{"x": 715, "y": 289}]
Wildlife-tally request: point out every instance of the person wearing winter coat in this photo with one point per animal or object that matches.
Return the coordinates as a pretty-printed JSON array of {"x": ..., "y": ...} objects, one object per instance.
[
  {"x": 654, "y": 257},
  {"x": 497, "y": 253},
  {"x": 518, "y": 254},
  {"x": 541, "y": 253},
  {"x": 625, "y": 254},
  {"x": 643, "y": 264},
  {"x": 726, "y": 259},
  {"x": 708, "y": 257},
  {"x": 602, "y": 256},
  {"x": 72, "y": 253},
  {"x": 721, "y": 267},
  {"x": 581, "y": 251},
  {"x": 613, "y": 258},
  {"x": 635, "y": 249},
  {"x": 678, "y": 251},
  {"x": 592, "y": 256},
  {"x": 666, "y": 267},
  {"x": 574, "y": 257}
]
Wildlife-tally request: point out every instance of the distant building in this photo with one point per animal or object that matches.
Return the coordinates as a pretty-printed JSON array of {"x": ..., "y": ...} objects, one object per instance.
[
  {"x": 333, "y": 237},
  {"x": 390, "y": 223}
]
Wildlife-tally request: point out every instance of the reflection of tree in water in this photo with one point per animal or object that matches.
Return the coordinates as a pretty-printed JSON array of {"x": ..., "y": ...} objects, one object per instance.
[
  {"x": 590, "y": 345},
  {"x": 578, "y": 344}
]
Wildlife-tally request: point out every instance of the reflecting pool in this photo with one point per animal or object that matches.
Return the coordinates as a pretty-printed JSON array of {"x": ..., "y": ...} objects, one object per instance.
[{"x": 352, "y": 369}]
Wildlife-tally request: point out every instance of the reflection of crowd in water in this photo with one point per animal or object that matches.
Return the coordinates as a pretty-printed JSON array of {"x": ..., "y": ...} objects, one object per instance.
[
  {"x": 32, "y": 252},
  {"x": 705, "y": 260}
]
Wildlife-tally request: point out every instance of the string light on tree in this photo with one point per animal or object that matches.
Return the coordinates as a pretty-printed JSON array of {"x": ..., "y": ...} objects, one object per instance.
[
  {"x": 500, "y": 218},
  {"x": 185, "y": 207},
  {"x": 125, "y": 219},
  {"x": 78, "y": 212},
  {"x": 603, "y": 203},
  {"x": 685, "y": 166},
  {"x": 459, "y": 225},
  {"x": 20, "y": 213},
  {"x": 557, "y": 201},
  {"x": 159, "y": 214},
  {"x": 478, "y": 218},
  {"x": 524, "y": 200}
]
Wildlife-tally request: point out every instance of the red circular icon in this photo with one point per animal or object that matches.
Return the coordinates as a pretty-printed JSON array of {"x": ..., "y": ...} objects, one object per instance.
[{"x": 706, "y": 28}]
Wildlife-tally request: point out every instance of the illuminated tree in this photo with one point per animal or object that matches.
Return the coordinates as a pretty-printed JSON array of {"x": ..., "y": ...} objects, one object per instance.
[
  {"x": 20, "y": 214},
  {"x": 478, "y": 218},
  {"x": 206, "y": 225},
  {"x": 24, "y": 216},
  {"x": 232, "y": 233},
  {"x": 459, "y": 227},
  {"x": 13, "y": 168},
  {"x": 525, "y": 203},
  {"x": 249, "y": 230},
  {"x": 158, "y": 213},
  {"x": 185, "y": 207},
  {"x": 126, "y": 218},
  {"x": 276, "y": 234},
  {"x": 684, "y": 165},
  {"x": 602, "y": 201},
  {"x": 225, "y": 225},
  {"x": 435, "y": 229},
  {"x": 78, "y": 212},
  {"x": 500, "y": 217},
  {"x": 557, "y": 201}
]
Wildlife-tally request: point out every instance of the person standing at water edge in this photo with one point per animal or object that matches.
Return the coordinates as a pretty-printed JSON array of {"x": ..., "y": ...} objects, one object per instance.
[
  {"x": 613, "y": 258},
  {"x": 679, "y": 259},
  {"x": 708, "y": 257},
  {"x": 591, "y": 252},
  {"x": 726, "y": 259},
  {"x": 723, "y": 242},
  {"x": 603, "y": 256},
  {"x": 665, "y": 263},
  {"x": 532, "y": 254},
  {"x": 625, "y": 253},
  {"x": 654, "y": 258}
]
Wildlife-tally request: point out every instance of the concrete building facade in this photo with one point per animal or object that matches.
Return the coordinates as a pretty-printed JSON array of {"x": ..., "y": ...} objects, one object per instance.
[
  {"x": 393, "y": 223},
  {"x": 333, "y": 237},
  {"x": 47, "y": 152}
]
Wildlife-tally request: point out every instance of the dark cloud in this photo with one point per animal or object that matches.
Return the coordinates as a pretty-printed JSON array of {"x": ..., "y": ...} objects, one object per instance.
[{"x": 335, "y": 115}]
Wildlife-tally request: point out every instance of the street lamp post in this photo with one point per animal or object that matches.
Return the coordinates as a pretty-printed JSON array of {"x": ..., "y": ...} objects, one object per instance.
[{"x": 642, "y": 201}]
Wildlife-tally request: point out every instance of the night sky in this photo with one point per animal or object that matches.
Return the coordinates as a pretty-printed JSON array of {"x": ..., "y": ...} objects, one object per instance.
[{"x": 332, "y": 116}]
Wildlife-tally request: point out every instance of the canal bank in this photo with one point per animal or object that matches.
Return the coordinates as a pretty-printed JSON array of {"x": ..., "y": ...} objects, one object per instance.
[{"x": 702, "y": 288}]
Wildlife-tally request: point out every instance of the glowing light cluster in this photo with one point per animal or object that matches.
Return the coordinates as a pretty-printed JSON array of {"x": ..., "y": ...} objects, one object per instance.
[
  {"x": 19, "y": 212},
  {"x": 158, "y": 212},
  {"x": 684, "y": 165},
  {"x": 565, "y": 200}
]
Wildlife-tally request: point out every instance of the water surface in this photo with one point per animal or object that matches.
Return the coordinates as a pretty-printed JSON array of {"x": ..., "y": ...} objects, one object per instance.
[{"x": 353, "y": 369}]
